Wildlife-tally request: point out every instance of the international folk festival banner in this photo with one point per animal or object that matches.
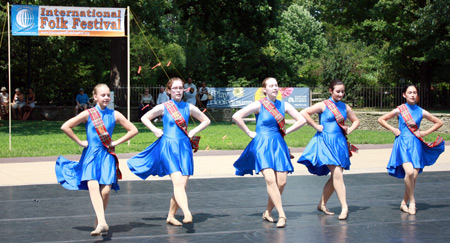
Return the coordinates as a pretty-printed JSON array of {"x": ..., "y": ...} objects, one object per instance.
[
  {"x": 29, "y": 20},
  {"x": 240, "y": 97}
]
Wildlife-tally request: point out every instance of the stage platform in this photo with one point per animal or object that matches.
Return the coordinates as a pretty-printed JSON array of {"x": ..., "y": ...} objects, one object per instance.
[{"x": 230, "y": 209}]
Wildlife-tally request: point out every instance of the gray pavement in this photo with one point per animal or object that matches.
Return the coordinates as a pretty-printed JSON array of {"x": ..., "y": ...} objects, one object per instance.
[{"x": 226, "y": 208}]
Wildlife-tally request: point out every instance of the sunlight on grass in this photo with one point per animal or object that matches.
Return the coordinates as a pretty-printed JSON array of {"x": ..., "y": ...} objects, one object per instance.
[{"x": 45, "y": 138}]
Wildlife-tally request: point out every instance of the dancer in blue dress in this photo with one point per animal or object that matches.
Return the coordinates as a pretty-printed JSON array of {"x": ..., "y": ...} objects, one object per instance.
[
  {"x": 410, "y": 154},
  {"x": 171, "y": 154},
  {"x": 268, "y": 152},
  {"x": 328, "y": 150},
  {"x": 96, "y": 170}
]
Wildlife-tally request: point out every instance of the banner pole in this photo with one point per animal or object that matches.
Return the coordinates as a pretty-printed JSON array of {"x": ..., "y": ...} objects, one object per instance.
[
  {"x": 128, "y": 66},
  {"x": 9, "y": 75}
]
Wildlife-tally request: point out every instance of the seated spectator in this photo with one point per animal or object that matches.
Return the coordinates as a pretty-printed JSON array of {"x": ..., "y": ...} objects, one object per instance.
[
  {"x": 30, "y": 104},
  {"x": 82, "y": 100},
  {"x": 18, "y": 104},
  {"x": 146, "y": 104},
  {"x": 4, "y": 102}
]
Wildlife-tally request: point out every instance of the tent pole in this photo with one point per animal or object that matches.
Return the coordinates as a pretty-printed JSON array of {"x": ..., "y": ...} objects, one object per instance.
[
  {"x": 128, "y": 66},
  {"x": 9, "y": 74}
]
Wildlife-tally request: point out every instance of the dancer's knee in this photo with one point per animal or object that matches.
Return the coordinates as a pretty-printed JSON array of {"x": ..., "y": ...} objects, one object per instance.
[
  {"x": 93, "y": 185},
  {"x": 410, "y": 174},
  {"x": 105, "y": 190},
  {"x": 281, "y": 180},
  {"x": 179, "y": 180},
  {"x": 338, "y": 175},
  {"x": 269, "y": 177}
]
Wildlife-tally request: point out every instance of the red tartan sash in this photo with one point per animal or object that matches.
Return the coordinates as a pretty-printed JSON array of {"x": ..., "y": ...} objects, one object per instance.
[
  {"x": 412, "y": 126},
  {"x": 104, "y": 136},
  {"x": 341, "y": 122},
  {"x": 181, "y": 123},
  {"x": 275, "y": 113}
]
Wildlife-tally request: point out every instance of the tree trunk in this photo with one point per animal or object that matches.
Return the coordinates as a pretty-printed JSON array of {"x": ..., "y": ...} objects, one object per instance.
[
  {"x": 118, "y": 77},
  {"x": 426, "y": 72}
]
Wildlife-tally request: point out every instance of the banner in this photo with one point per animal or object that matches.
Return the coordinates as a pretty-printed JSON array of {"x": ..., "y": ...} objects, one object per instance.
[
  {"x": 240, "y": 97},
  {"x": 29, "y": 20}
]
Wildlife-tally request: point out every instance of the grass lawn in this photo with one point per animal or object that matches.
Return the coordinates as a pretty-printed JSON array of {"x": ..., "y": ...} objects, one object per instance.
[{"x": 45, "y": 138}]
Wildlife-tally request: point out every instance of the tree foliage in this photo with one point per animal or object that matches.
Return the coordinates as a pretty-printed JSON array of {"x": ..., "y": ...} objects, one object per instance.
[
  {"x": 240, "y": 42},
  {"x": 298, "y": 39}
]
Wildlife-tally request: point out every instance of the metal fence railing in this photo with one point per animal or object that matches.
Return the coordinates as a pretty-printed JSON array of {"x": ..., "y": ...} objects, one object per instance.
[
  {"x": 120, "y": 94},
  {"x": 378, "y": 98},
  {"x": 359, "y": 97}
]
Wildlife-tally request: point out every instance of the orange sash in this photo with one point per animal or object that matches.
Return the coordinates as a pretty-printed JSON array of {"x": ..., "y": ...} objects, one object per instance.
[
  {"x": 181, "y": 123},
  {"x": 275, "y": 113},
  {"x": 341, "y": 122},
  {"x": 104, "y": 136},
  {"x": 412, "y": 126}
]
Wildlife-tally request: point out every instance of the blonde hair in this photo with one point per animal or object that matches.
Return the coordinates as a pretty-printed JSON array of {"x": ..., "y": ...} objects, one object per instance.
[{"x": 94, "y": 92}]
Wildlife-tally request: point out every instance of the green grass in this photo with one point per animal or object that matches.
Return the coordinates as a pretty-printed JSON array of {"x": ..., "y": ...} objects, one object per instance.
[{"x": 44, "y": 138}]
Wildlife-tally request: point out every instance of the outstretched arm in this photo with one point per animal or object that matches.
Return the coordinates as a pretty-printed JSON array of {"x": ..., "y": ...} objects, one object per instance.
[
  {"x": 204, "y": 120},
  {"x": 131, "y": 129},
  {"x": 244, "y": 112},
  {"x": 299, "y": 119},
  {"x": 383, "y": 121},
  {"x": 73, "y": 122},
  {"x": 437, "y": 123}
]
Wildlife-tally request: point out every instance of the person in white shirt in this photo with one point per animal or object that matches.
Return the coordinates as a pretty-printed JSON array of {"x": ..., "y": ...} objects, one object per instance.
[
  {"x": 190, "y": 95},
  {"x": 162, "y": 96},
  {"x": 4, "y": 101},
  {"x": 203, "y": 92}
]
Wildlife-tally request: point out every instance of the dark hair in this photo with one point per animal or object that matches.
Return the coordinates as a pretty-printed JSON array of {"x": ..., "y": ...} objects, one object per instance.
[
  {"x": 334, "y": 83},
  {"x": 407, "y": 86}
]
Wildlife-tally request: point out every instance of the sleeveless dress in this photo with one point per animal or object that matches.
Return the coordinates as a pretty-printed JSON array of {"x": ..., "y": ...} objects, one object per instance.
[
  {"x": 328, "y": 147},
  {"x": 268, "y": 149},
  {"x": 95, "y": 162},
  {"x": 408, "y": 148},
  {"x": 172, "y": 152}
]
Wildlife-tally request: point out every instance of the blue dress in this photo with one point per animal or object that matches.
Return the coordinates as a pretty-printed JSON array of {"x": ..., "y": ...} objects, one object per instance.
[
  {"x": 172, "y": 152},
  {"x": 95, "y": 162},
  {"x": 328, "y": 147},
  {"x": 268, "y": 149},
  {"x": 408, "y": 148}
]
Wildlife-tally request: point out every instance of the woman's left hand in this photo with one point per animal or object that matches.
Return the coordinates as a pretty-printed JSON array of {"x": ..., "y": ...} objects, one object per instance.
[
  {"x": 113, "y": 144},
  {"x": 191, "y": 133},
  {"x": 422, "y": 134}
]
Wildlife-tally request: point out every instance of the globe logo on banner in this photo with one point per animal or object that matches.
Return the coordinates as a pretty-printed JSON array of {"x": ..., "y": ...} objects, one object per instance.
[{"x": 24, "y": 18}]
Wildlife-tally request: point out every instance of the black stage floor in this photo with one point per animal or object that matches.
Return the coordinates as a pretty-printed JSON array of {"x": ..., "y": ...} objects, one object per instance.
[{"x": 229, "y": 210}]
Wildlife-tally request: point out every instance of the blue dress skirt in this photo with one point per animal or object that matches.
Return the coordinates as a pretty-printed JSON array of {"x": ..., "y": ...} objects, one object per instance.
[
  {"x": 268, "y": 149},
  {"x": 328, "y": 147},
  {"x": 95, "y": 162},
  {"x": 170, "y": 153},
  {"x": 408, "y": 148}
]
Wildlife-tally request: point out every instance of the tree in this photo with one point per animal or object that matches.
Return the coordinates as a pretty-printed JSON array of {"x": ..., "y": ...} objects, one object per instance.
[
  {"x": 297, "y": 41},
  {"x": 417, "y": 35}
]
